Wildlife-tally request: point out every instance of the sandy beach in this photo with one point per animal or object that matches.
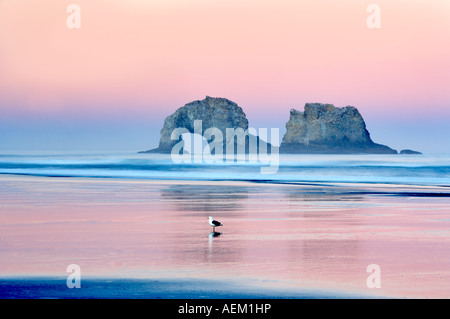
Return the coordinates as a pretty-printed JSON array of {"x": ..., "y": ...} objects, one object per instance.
[{"x": 297, "y": 240}]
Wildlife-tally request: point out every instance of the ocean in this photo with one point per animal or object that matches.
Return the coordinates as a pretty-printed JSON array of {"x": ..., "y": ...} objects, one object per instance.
[
  {"x": 385, "y": 169},
  {"x": 137, "y": 226}
]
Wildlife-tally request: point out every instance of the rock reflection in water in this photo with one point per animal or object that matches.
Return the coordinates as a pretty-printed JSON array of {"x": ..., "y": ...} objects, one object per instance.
[{"x": 205, "y": 198}]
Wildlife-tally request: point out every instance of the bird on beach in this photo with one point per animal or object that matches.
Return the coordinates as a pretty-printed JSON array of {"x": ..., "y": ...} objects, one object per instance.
[{"x": 214, "y": 223}]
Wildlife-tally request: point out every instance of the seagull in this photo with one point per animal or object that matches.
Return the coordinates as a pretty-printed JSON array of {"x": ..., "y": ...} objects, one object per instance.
[{"x": 214, "y": 223}]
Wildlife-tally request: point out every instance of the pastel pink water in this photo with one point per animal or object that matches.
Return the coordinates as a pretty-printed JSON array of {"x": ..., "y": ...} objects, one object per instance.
[{"x": 290, "y": 236}]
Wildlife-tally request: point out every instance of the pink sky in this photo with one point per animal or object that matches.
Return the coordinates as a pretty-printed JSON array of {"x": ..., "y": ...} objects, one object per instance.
[{"x": 151, "y": 57}]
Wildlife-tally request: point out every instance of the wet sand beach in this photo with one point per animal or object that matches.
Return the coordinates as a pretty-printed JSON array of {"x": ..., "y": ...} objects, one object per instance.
[{"x": 292, "y": 240}]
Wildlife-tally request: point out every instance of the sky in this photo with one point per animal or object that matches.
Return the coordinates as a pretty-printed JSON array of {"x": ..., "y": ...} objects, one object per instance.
[{"x": 109, "y": 84}]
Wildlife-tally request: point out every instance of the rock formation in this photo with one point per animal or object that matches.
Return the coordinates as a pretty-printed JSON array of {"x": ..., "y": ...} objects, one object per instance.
[
  {"x": 410, "y": 152},
  {"x": 220, "y": 113},
  {"x": 324, "y": 128},
  {"x": 320, "y": 129}
]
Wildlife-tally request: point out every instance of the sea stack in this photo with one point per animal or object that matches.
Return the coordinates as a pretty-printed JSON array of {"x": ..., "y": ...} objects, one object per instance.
[
  {"x": 327, "y": 129},
  {"x": 410, "y": 152},
  {"x": 215, "y": 112}
]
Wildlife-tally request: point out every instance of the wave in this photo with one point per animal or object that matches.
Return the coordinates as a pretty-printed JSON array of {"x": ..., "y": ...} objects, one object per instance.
[{"x": 421, "y": 170}]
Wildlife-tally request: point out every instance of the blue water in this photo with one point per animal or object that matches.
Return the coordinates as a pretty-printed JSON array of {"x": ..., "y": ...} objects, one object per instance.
[{"x": 394, "y": 169}]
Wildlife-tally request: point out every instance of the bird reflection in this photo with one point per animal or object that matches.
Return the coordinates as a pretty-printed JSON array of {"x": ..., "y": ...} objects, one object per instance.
[{"x": 214, "y": 234}]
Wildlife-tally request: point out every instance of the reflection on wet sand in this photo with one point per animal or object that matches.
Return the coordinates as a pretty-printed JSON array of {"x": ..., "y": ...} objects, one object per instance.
[
  {"x": 211, "y": 237},
  {"x": 214, "y": 234},
  {"x": 204, "y": 198},
  {"x": 297, "y": 235},
  {"x": 321, "y": 195}
]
